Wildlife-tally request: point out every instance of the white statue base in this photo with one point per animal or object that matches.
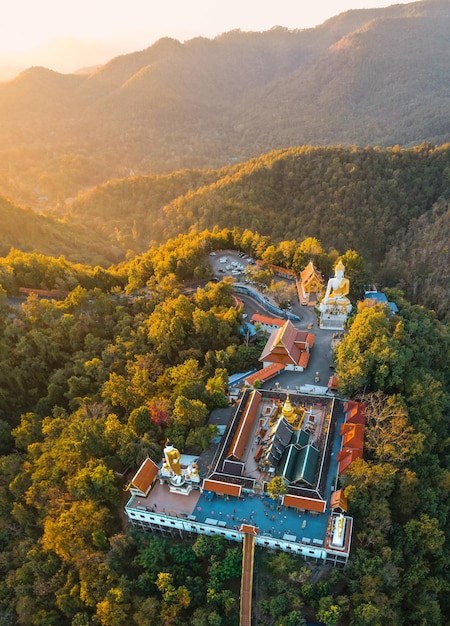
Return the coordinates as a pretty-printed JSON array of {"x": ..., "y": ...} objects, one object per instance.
[
  {"x": 181, "y": 490},
  {"x": 333, "y": 321}
]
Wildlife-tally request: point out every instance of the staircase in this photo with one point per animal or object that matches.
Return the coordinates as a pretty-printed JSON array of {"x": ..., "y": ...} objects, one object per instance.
[{"x": 248, "y": 549}]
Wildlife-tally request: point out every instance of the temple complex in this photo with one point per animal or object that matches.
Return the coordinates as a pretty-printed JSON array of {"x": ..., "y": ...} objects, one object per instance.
[
  {"x": 308, "y": 440},
  {"x": 303, "y": 439}
]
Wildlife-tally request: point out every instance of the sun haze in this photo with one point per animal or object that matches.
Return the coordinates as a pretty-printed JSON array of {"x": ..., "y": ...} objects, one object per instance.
[{"x": 28, "y": 23}]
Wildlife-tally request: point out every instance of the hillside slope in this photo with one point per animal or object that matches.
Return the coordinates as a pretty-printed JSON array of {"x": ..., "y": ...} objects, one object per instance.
[
  {"x": 24, "y": 230},
  {"x": 344, "y": 196},
  {"x": 389, "y": 205}
]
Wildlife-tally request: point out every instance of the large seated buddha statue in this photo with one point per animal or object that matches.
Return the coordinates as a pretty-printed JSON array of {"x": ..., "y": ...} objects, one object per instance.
[{"x": 335, "y": 299}]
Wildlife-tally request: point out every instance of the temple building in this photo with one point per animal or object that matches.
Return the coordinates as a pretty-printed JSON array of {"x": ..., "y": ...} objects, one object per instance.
[
  {"x": 378, "y": 297},
  {"x": 288, "y": 346},
  {"x": 352, "y": 432},
  {"x": 266, "y": 323},
  {"x": 144, "y": 478},
  {"x": 310, "y": 285}
]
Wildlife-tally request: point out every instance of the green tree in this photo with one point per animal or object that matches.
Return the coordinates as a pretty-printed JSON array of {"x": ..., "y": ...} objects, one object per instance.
[
  {"x": 389, "y": 436},
  {"x": 328, "y": 612},
  {"x": 95, "y": 481},
  {"x": 370, "y": 356},
  {"x": 277, "y": 487}
]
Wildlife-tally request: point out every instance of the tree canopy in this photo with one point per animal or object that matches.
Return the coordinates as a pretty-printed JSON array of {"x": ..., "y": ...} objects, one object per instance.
[{"x": 95, "y": 382}]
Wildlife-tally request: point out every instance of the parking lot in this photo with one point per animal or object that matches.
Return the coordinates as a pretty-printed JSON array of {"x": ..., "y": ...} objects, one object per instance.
[{"x": 230, "y": 263}]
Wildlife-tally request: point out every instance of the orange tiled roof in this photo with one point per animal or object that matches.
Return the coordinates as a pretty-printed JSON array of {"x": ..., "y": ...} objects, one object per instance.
[
  {"x": 309, "y": 504},
  {"x": 347, "y": 456},
  {"x": 333, "y": 382},
  {"x": 311, "y": 273},
  {"x": 352, "y": 445},
  {"x": 266, "y": 373},
  {"x": 355, "y": 412},
  {"x": 219, "y": 487},
  {"x": 245, "y": 425},
  {"x": 144, "y": 477},
  {"x": 353, "y": 436},
  {"x": 338, "y": 500},
  {"x": 265, "y": 319},
  {"x": 304, "y": 359},
  {"x": 286, "y": 345}
]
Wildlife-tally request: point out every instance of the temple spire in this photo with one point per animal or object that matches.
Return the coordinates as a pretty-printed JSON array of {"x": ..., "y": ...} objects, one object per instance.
[{"x": 287, "y": 410}]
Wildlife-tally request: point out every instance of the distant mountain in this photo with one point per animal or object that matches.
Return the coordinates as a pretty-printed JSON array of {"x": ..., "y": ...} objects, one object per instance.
[
  {"x": 368, "y": 77},
  {"x": 63, "y": 54}
]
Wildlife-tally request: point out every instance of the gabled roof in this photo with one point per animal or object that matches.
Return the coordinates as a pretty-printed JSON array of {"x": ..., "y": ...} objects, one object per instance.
[
  {"x": 286, "y": 345},
  {"x": 300, "y": 437},
  {"x": 355, "y": 412},
  {"x": 379, "y": 296},
  {"x": 304, "y": 359},
  {"x": 280, "y": 438},
  {"x": 333, "y": 383},
  {"x": 338, "y": 500},
  {"x": 353, "y": 436},
  {"x": 310, "y": 273},
  {"x": 284, "y": 431},
  {"x": 346, "y": 456},
  {"x": 245, "y": 425},
  {"x": 266, "y": 373},
  {"x": 281, "y": 347},
  {"x": 273, "y": 456},
  {"x": 218, "y": 486},
  {"x": 300, "y": 464},
  {"x": 304, "y": 337},
  {"x": 352, "y": 445},
  {"x": 308, "y": 504},
  {"x": 144, "y": 477}
]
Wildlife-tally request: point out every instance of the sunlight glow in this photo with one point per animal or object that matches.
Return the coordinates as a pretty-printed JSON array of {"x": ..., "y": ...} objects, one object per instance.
[{"x": 27, "y": 23}]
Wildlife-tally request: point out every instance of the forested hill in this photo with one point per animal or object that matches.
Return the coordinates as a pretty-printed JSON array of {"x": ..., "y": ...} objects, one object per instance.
[
  {"x": 386, "y": 204},
  {"x": 95, "y": 383},
  {"x": 369, "y": 77},
  {"x": 27, "y": 231}
]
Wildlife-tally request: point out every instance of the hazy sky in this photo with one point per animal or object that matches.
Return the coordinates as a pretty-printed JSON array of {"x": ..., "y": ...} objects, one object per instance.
[{"x": 26, "y": 24}]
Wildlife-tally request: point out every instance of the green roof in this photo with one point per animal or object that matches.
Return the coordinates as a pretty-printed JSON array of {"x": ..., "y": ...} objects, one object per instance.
[
  {"x": 299, "y": 463},
  {"x": 300, "y": 437}
]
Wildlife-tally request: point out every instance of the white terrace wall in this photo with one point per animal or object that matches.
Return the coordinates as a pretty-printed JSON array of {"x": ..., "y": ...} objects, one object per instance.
[{"x": 146, "y": 520}]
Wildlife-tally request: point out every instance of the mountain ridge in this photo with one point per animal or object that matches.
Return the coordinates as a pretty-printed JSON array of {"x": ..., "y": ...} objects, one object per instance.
[{"x": 367, "y": 77}]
